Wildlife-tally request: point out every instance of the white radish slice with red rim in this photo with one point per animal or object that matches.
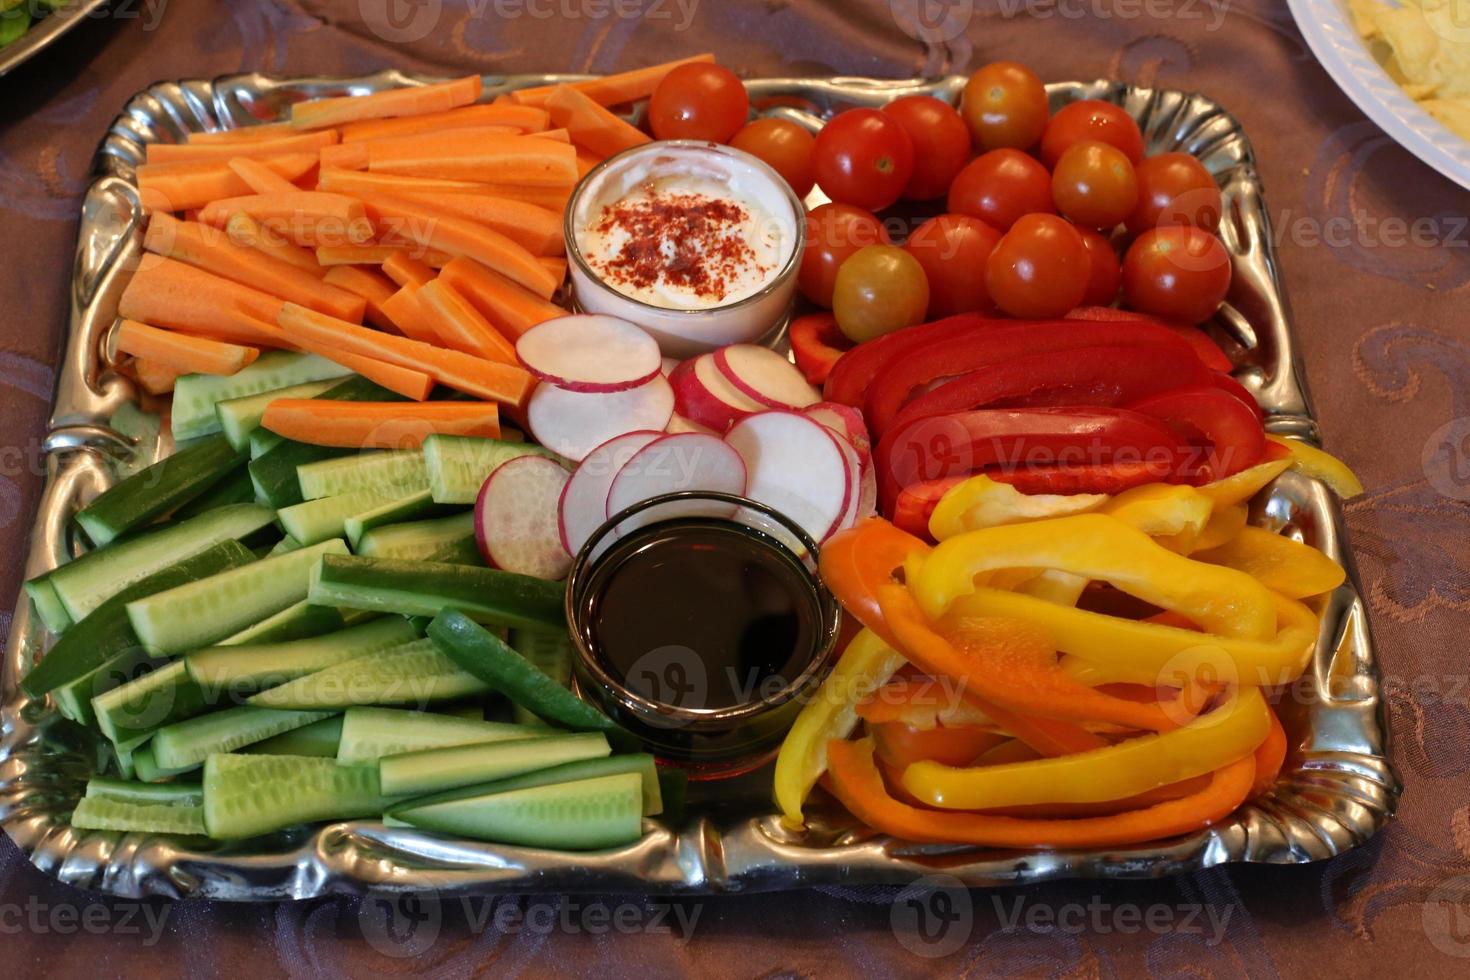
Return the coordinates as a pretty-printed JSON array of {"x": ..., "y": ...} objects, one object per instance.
[
  {"x": 573, "y": 423},
  {"x": 687, "y": 461},
  {"x": 847, "y": 422},
  {"x": 764, "y": 376},
  {"x": 867, "y": 494},
  {"x": 797, "y": 466},
  {"x": 705, "y": 396},
  {"x": 668, "y": 366},
  {"x": 590, "y": 352},
  {"x": 516, "y": 518},
  {"x": 854, "y": 484},
  {"x": 679, "y": 424},
  {"x": 583, "y": 504}
]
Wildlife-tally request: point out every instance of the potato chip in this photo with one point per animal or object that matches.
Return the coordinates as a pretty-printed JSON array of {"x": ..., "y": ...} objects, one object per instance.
[{"x": 1424, "y": 45}]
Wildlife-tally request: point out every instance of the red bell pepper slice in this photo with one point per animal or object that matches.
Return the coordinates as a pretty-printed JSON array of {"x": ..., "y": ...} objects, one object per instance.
[
  {"x": 1110, "y": 478},
  {"x": 1215, "y": 422},
  {"x": 916, "y": 502},
  {"x": 817, "y": 345},
  {"x": 850, "y": 377},
  {"x": 1209, "y": 352}
]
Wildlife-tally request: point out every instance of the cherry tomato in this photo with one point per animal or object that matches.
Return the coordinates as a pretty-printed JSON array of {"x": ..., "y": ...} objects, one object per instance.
[
  {"x": 834, "y": 232},
  {"x": 1039, "y": 269},
  {"x": 1090, "y": 119},
  {"x": 953, "y": 248},
  {"x": 1093, "y": 184},
  {"x": 879, "y": 290},
  {"x": 1001, "y": 186},
  {"x": 941, "y": 143},
  {"x": 1005, "y": 106},
  {"x": 1104, "y": 272},
  {"x": 1175, "y": 189},
  {"x": 864, "y": 157},
  {"x": 785, "y": 146},
  {"x": 1177, "y": 272},
  {"x": 698, "y": 101}
]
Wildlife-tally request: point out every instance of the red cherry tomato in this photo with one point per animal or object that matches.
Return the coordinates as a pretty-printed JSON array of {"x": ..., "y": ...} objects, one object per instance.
[
  {"x": 1093, "y": 184},
  {"x": 698, "y": 101},
  {"x": 833, "y": 233},
  {"x": 1005, "y": 106},
  {"x": 941, "y": 143},
  {"x": 785, "y": 146},
  {"x": 953, "y": 249},
  {"x": 1104, "y": 272},
  {"x": 879, "y": 290},
  {"x": 1001, "y": 186},
  {"x": 1177, "y": 272},
  {"x": 864, "y": 157},
  {"x": 1175, "y": 189},
  {"x": 1090, "y": 119},
  {"x": 1039, "y": 269}
]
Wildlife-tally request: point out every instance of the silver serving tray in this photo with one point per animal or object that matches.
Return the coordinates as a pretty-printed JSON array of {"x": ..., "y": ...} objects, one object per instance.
[
  {"x": 1337, "y": 789},
  {"x": 45, "y": 31}
]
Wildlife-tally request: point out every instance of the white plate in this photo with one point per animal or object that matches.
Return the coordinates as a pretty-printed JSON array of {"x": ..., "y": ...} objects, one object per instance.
[{"x": 1328, "y": 28}]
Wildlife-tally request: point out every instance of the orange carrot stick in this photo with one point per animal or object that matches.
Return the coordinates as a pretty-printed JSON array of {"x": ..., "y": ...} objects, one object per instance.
[
  {"x": 378, "y": 425},
  {"x": 180, "y": 352},
  {"x": 476, "y": 376},
  {"x": 246, "y": 232},
  {"x": 538, "y": 229},
  {"x": 184, "y": 186},
  {"x": 590, "y": 125},
  {"x": 410, "y": 316},
  {"x": 168, "y": 293},
  {"x": 366, "y": 185},
  {"x": 156, "y": 379},
  {"x": 417, "y": 100},
  {"x": 628, "y": 86},
  {"x": 469, "y": 154},
  {"x": 211, "y": 250},
  {"x": 406, "y": 270},
  {"x": 359, "y": 155},
  {"x": 511, "y": 309},
  {"x": 374, "y": 288},
  {"x": 461, "y": 326},
  {"x": 527, "y": 119},
  {"x": 405, "y": 381},
  {"x": 399, "y": 220},
  {"x": 560, "y": 135},
  {"x": 193, "y": 152},
  {"x": 557, "y": 264},
  {"x": 304, "y": 217},
  {"x": 244, "y": 134},
  {"x": 369, "y": 254},
  {"x": 262, "y": 179},
  {"x": 586, "y": 161},
  {"x": 344, "y": 156}
]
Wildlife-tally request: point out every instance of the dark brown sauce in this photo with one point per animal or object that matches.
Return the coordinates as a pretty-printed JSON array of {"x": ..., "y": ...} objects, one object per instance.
[{"x": 702, "y": 614}]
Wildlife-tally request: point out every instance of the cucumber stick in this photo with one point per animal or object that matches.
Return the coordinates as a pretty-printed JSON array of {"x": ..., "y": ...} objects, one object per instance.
[
  {"x": 105, "y": 633},
  {"x": 129, "y": 714},
  {"x": 105, "y": 813},
  {"x": 190, "y": 742},
  {"x": 400, "y": 470},
  {"x": 320, "y": 518},
  {"x": 404, "y": 508},
  {"x": 204, "y": 612},
  {"x": 640, "y": 763},
  {"x": 432, "y": 770},
  {"x": 239, "y": 417},
  {"x": 370, "y": 734},
  {"x": 128, "y": 791},
  {"x": 585, "y": 814},
  {"x": 458, "y": 466},
  {"x": 196, "y": 395},
  {"x": 74, "y": 698},
  {"x": 296, "y": 621},
  {"x": 148, "y": 769},
  {"x": 86, "y": 582},
  {"x": 263, "y": 441},
  {"x": 419, "y": 588},
  {"x": 412, "y": 673},
  {"x": 155, "y": 490},
  {"x": 319, "y": 740},
  {"x": 284, "y": 545},
  {"x": 235, "y": 488},
  {"x": 48, "y": 604},
  {"x": 250, "y": 668},
  {"x": 548, "y": 652},
  {"x": 247, "y": 795},
  {"x": 419, "y": 540}
]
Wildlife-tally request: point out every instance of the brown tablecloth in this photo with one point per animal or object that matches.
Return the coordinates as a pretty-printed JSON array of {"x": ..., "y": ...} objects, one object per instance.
[{"x": 1376, "y": 257}]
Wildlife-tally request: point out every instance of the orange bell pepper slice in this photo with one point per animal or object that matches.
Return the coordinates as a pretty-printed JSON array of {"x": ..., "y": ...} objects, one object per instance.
[
  {"x": 1270, "y": 757},
  {"x": 902, "y": 745}
]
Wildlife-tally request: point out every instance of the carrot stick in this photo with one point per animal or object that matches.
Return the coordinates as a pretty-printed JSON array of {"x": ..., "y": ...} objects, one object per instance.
[
  {"x": 211, "y": 250},
  {"x": 370, "y": 254},
  {"x": 417, "y": 100},
  {"x": 373, "y": 287},
  {"x": 183, "y": 186},
  {"x": 527, "y": 119},
  {"x": 262, "y": 179},
  {"x": 168, "y": 293},
  {"x": 304, "y": 217},
  {"x": 590, "y": 125},
  {"x": 461, "y": 326},
  {"x": 476, "y": 376},
  {"x": 180, "y": 352},
  {"x": 557, "y": 265},
  {"x": 405, "y": 381},
  {"x": 586, "y": 161},
  {"x": 628, "y": 86},
  {"x": 411, "y": 317},
  {"x": 156, "y": 379},
  {"x": 378, "y": 425},
  {"x": 359, "y": 155},
  {"x": 193, "y": 152},
  {"x": 409, "y": 221},
  {"x": 246, "y": 232},
  {"x": 560, "y": 135},
  {"x": 469, "y": 154},
  {"x": 509, "y": 308},
  {"x": 365, "y": 185},
  {"x": 244, "y": 134},
  {"x": 406, "y": 270},
  {"x": 537, "y": 229}
]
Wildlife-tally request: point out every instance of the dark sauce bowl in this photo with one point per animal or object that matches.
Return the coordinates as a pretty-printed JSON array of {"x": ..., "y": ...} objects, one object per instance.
[{"x": 711, "y": 741}]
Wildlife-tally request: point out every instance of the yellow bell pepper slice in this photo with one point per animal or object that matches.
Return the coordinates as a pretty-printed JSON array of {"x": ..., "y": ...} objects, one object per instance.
[
  {"x": 981, "y": 502},
  {"x": 1294, "y": 569},
  {"x": 1225, "y": 523},
  {"x": 1319, "y": 465},
  {"x": 1246, "y": 484},
  {"x": 866, "y": 665},
  {"x": 1161, "y": 509},
  {"x": 1228, "y": 733},
  {"x": 1098, "y": 547}
]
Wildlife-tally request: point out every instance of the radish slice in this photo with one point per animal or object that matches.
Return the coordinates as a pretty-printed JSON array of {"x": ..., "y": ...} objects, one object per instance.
[
  {"x": 703, "y": 395},
  {"x": 796, "y": 465},
  {"x": 688, "y": 461},
  {"x": 854, "y": 484},
  {"x": 590, "y": 352},
  {"x": 516, "y": 518},
  {"x": 763, "y": 375},
  {"x": 679, "y": 424},
  {"x": 573, "y": 423},
  {"x": 583, "y": 504},
  {"x": 867, "y": 494},
  {"x": 668, "y": 366},
  {"x": 847, "y": 422}
]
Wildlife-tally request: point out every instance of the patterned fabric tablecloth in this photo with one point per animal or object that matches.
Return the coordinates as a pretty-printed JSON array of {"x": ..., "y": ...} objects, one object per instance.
[{"x": 1376, "y": 256}]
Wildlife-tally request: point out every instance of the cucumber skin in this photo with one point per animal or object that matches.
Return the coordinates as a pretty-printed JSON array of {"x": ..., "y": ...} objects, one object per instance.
[
  {"x": 131, "y": 713},
  {"x": 189, "y": 742},
  {"x": 250, "y": 795},
  {"x": 639, "y": 762},
  {"x": 414, "y": 673},
  {"x": 552, "y": 816},
  {"x": 105, "y": 813},
  {"x": 148, "y": 769},
  {"x": 444, "y": 455},
  {"x": 418, "y": 588},
  {"x": 106, "y": 632},
  {"x": 233, "y": 489},
  {"x": 296, "y": 622},
  {"x": 155, "y": 490},
  {"x": 435, "y": 770},
  {"x": 47, "y": 603},
  {"x": 318, "y": 740},
  {"x": 74, "y": 698}
]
